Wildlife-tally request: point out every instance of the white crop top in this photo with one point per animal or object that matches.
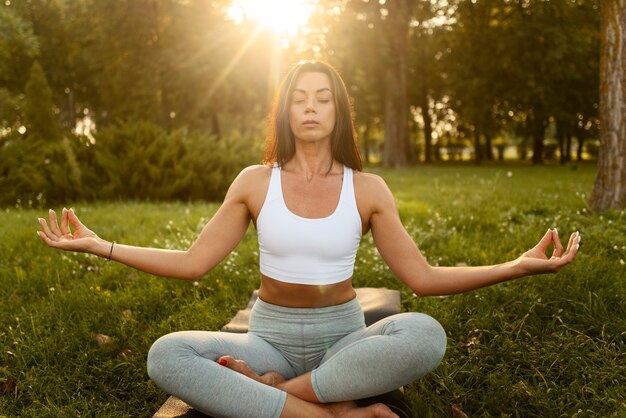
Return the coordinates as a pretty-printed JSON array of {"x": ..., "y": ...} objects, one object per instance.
[{"x": 311, "y": 251}]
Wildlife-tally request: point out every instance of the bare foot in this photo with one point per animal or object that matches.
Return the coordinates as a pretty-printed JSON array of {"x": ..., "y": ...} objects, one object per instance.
[
  {"x": 350, "y": 410},
  {"x": 339, "y": 409},
  {"x": 240, "y": 366}
]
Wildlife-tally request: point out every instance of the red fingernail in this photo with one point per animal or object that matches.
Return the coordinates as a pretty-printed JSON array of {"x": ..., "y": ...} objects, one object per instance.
[{"x": 223, "y": 362}]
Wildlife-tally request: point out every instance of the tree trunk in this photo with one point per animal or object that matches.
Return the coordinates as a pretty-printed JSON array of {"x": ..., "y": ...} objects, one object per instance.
[
  {"x": 501, "y": 148},
  {"x": 609, "y": 191},
  {"x": 568, "y": 147},
  {"x": 396, "y": 148},
  {"x": 538, "y": 134},
  {"x": 579, "y": 148},
  {"x": 478, "y": 152},
  {"x": 488, "y": 148},
  {"x": 561, "y": 138},
  {"x": 523, "y": 148}
]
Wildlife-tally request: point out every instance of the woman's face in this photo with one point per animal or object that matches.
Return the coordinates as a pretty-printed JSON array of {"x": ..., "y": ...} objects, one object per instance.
[{"x": 312, "y": 108}]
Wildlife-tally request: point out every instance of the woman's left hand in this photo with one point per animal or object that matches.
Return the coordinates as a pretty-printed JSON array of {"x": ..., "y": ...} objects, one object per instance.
[{"x": 535, "y": 260}]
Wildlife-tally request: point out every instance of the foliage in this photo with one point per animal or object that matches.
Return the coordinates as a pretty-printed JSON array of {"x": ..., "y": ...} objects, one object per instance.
[
  {"x": 521, "y": 65},
  {"x": 546, "y": 346},
  {"x": 491, "y": 70},
  {"x": 18, "y": 47},
  {"x": 11, "y": 110},
  {"x": 31, "y": 172},
  {"x": 39, "y": 119},
  {"x": 143, "y": 161},
  {"x": 138, "y": 161}
]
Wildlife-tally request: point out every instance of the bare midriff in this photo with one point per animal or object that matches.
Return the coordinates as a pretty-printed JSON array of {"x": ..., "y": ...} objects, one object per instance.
[{"x": 305, "y": 296}]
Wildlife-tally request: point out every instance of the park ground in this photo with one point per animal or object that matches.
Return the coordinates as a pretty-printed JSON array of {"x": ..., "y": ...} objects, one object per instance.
[{"x": 75, "y": 330}]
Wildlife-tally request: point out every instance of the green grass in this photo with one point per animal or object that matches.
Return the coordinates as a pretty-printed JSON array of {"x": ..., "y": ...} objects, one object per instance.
[{"x": 547, "y": 346}]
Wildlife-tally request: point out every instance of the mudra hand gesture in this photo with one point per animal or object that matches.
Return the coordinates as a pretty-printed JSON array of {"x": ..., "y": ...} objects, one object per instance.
[
  {"x": 62, "y": 237},
  {"x": 535, "y": 260}
]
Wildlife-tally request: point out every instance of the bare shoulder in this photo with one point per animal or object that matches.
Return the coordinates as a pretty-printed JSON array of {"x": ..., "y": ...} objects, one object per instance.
[
  {"x": 372, "y": 193},
  {"x": 370, "y": 184},
  {"x": 251, "y": 178},
  {"x": 250, "y": 187},
  {"x": 256, "y": 171}
]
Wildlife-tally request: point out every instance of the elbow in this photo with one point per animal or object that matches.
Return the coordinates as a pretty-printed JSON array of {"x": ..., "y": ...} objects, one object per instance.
[
  {"x": 421, "y": 284},
  {"x": 416, "y": 284},
  {"x": 195, "y": 269},
  {"x": 194, "y": 275},
  {"x": 420, "y": 291},
  {"x": 195, "y": 272}
]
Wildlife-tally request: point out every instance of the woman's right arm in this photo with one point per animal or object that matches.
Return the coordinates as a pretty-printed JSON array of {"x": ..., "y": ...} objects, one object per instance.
[{"x": 218, "y": 238}]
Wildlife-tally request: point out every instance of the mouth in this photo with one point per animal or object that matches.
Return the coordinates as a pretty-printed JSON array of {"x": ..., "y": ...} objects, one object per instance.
[{"x": 310, "y": 123}]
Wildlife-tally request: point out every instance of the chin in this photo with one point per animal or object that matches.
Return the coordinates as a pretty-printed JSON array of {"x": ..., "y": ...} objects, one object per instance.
[{"x": 313, "y": 137}]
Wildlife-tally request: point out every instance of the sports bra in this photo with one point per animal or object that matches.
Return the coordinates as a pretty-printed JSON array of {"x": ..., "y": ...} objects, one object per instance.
[{"x": 310, "y": 251}]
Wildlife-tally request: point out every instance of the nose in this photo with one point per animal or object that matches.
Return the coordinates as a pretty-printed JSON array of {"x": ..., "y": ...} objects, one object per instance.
[{"x": 310, "y": 106}]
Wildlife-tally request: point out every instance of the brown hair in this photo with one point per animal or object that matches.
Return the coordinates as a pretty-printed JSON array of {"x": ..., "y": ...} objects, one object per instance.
[{"x": 280, "y": 142}]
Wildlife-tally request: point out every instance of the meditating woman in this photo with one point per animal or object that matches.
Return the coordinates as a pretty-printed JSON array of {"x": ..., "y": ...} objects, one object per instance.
[{"x": 308, "y": 352}]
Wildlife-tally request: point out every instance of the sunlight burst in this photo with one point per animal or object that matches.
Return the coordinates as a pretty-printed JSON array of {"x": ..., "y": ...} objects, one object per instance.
[{"x": 285, "y": 17}]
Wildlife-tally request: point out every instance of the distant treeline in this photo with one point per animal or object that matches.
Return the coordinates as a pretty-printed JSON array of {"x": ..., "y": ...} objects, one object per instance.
[{"x": 166, "y": 99}]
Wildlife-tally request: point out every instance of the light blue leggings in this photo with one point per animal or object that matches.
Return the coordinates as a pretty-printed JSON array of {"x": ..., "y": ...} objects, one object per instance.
[{"x": 348, "y": 360}]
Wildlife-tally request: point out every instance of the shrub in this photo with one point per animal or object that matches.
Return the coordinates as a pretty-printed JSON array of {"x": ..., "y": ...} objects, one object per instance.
[
  {"x": 135, "y": 160},
  {"x": 142, "y": 161},
  {"x": 33, "y": 172}
]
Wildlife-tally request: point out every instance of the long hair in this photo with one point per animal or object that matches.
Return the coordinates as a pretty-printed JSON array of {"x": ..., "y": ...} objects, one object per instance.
[{"x": 280, "y": 144}]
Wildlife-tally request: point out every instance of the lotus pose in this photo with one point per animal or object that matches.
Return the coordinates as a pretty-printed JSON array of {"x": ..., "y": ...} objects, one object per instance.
[{"x": 308, "y": 352}]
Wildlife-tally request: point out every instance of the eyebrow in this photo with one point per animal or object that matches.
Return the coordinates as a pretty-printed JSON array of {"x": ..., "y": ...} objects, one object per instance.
[{"x": 317, "y": 91}]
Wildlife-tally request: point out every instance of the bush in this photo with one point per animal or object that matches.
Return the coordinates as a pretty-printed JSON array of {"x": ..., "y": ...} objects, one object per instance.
[
  {"x": 135, "y": 160},
  {"x": 31, "y": 172}
]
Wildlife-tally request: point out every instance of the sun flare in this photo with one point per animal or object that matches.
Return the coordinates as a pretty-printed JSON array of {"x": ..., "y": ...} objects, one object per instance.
[{"x": 284, "y": 17}]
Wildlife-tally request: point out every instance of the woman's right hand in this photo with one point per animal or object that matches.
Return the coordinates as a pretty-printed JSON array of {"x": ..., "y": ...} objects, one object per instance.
[{"x": 82, "y": 239}]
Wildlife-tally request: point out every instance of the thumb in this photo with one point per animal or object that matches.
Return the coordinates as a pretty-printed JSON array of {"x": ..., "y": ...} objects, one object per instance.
[{"x": 545, "y": 240}]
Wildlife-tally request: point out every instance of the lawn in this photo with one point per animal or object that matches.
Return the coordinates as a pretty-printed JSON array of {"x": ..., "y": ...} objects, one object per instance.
[{"x": 75, "y": 329}]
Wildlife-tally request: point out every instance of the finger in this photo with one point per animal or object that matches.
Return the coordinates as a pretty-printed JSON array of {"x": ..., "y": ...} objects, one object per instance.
[
  {"x": 45, "y": 239},
  {"x": 558, "y": 247},
  {"x": 575, "y": 241},
  {"x": 54, "y": 226},
  {"x": 572, "y": 246},
  {"x": 46, "y": 231},
  {"x": 65, "y": 229},
  {"x": 50, "y": 242}
]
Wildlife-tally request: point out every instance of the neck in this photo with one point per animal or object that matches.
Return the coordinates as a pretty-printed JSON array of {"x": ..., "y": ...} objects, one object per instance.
[{"x": 312, "y": 163}]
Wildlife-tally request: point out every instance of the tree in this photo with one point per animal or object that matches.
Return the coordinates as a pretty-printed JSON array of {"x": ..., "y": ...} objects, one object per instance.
[
  {"x": 396, "y": 148},
  {"x": 427, "y": 72},
  {"x": 609, "y": 190},
  {"x": 477, "y": 65},
  {"x": 18, "y": 48},
  {"x": 40, "y": 120}
]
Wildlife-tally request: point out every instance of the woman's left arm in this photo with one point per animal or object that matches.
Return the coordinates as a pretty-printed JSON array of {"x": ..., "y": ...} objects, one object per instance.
[{"x": 406, "y": 261}]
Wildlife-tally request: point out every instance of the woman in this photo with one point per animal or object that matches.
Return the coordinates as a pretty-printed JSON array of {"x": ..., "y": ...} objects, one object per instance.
[{"x": 307, "y": 352}]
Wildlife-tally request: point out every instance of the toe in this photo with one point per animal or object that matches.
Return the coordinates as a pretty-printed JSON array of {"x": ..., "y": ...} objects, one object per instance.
[
  {"x": 238, "y": 366},
  {"x": 225, "y": 361}
]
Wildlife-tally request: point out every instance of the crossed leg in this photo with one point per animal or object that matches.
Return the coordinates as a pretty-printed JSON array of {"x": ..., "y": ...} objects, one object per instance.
[
  {"x": 185, "y": 364},
  {"x": 301, "y": 399},
  {"x": 391, "y": 353}
]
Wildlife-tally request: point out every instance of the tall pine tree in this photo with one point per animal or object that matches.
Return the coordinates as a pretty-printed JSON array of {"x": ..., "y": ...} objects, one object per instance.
[{"x": 40, "y": 119}]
